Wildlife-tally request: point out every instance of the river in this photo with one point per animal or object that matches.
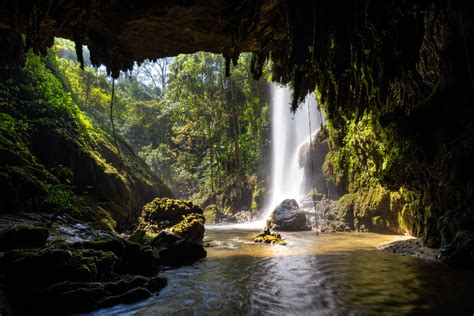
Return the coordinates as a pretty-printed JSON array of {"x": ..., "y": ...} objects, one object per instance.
[{"x": 340, "y": 273}]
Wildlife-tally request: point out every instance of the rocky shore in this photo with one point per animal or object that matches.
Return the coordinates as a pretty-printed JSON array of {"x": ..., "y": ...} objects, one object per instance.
[
  {"x": 49, "y": 260},
  {"x": 411, "y": 246}
]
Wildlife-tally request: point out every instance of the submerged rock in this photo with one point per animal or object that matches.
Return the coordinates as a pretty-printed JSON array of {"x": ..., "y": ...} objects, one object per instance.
[
  {"x": 22, "y": 237},
  {"x": 268, "y": 237},
  {"x": 288, "y": 217}
]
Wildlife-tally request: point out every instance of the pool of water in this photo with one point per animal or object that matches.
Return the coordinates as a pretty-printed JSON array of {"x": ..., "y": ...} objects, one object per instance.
[{"x": 341, "y": 273}]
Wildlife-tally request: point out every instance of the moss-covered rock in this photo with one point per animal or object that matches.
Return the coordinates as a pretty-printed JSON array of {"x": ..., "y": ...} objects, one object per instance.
[
  {"x": 183, "y": 218},
  {"x": 375, "y": 209},
  {"x": 190, "y": 228},
  {"x": 266, "y": 236},
  {"x": 23, "y": 236}
]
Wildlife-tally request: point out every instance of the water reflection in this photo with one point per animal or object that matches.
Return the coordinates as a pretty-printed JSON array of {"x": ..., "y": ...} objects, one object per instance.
[{"x": 327, "y": 275}]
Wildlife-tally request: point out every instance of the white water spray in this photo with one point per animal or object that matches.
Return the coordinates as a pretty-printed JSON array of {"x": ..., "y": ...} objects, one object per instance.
[{"x": 289, "y": 133}]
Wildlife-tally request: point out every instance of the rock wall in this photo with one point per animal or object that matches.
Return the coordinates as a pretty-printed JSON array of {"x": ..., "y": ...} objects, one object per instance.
[{"x": 55, "y": 160}]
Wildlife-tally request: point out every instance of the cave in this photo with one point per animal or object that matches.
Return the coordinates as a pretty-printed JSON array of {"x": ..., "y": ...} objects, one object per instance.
[{"x": 394, "y": 80}]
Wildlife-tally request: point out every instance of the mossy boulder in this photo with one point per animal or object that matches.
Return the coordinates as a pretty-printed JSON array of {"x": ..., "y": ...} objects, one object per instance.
[
  {"x": 270, "y": 238},
  {"x": 375, "y": 209},
  {"x": 23, "y": 236},
  {"x": 190, "y": 228},
  {"x": 182, "y": 218}
]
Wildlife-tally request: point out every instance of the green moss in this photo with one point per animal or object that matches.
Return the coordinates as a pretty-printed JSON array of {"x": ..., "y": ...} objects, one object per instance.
[
  {"x": 179, "y": 217},
  {"x": 164, "y": 212},
  {"x": 270, "y": 238},
  {"x": 191, "y": 228}
]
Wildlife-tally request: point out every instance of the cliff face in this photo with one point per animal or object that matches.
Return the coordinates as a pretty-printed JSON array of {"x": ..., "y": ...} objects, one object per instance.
[{"x": 54, "y": 160}]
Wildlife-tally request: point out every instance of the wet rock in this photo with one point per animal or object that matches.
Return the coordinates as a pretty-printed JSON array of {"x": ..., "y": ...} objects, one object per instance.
[
  {"x": 79, "y": 277},
  {"x": 268, "y": 237},
  {"x": 22, "y": 237},
  {"x": 176, "y": 251},
  {"x": 83, "y": 297},
  {"x": 288, "y": 217},
  {"x": 133, "y": 258}
]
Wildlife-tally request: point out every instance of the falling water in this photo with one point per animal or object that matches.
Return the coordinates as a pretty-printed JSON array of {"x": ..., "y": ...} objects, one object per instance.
[{"x": 289, "y": 133}]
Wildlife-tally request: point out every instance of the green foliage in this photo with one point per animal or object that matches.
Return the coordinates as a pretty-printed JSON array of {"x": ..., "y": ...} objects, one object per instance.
[
  {"x": 60, "y": 199},
  {"x": 53, "y": 93},
  {"x": 63, "y": 173},
  {"x": 14, "y": 131},
  {"x": 193, "y": 126}
]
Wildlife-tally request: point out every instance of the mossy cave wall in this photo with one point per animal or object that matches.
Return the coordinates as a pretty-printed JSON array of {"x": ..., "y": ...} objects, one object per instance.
[
  {"x": 394, "y": 78},
  {"x": 55, "y": 159}
]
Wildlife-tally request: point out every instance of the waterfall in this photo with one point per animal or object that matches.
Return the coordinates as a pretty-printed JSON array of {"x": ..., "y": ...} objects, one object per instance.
[{"x": 289, "y": 133}]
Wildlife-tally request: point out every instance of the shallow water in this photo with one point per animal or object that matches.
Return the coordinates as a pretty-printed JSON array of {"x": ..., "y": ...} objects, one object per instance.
[{"x": 328, "y": 274}]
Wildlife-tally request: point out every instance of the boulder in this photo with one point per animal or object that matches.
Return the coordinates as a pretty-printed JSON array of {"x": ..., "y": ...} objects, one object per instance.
[
  {"x": 182, "y": 218},
  {"x": 176, "y": 251},
  {"x": 22, "y": 237},
  {"x": 288, "y": 217}
]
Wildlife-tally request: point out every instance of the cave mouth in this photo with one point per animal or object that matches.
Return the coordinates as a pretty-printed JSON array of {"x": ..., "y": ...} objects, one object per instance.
[{"x": 124, "y": 127}]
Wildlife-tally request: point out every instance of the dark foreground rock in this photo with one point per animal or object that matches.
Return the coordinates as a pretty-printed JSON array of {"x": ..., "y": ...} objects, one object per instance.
[
  {"x": 175, "y": 251},
  {"x": 23, "y": 236},
  {"x": 288, "y": 217},
  {"x": 79, "y": 277}
]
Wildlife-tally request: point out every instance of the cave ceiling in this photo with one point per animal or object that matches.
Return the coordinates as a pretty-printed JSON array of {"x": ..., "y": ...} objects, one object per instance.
[{"x": 118, "y": 33}]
